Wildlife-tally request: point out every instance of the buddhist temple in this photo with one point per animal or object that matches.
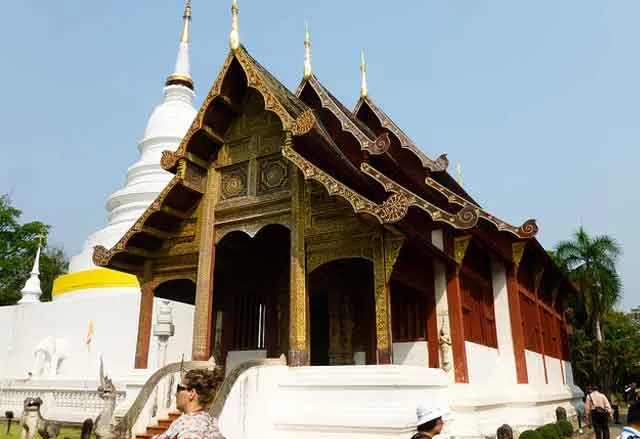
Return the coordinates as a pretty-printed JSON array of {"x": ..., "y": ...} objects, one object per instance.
[{"x": 287, "y": 224}]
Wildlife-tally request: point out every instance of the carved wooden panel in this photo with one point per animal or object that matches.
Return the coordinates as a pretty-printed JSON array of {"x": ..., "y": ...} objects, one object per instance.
[
  {"x": 270, "y": 144},
  {"x": 234, "y": 182},
  {"x": 273, "y": 174}
]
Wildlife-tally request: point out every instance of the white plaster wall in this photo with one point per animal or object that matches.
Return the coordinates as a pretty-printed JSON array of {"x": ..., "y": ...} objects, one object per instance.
[
  {"x": 412, "y": 353},
  {"x": 181, "y": 342},
  {"x": 234, "y": 358},
  {"x": 502, "y": 314},
  {"x": 483, "y": 363},
  {"x": 554, "y": 371},
  {"x": 115, "y": 318},
  {"x": 535, "y": 368},
  {"x": 568, "y": 373}
]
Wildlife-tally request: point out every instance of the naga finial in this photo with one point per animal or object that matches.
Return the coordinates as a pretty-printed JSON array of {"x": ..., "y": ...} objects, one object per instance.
[
  {"x": 307, "y": 52},
  {"x": 234, "y": 37}
]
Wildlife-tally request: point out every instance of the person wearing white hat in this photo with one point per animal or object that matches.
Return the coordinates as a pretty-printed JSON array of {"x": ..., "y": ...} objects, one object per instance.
[{"x": 429, "y": 422}]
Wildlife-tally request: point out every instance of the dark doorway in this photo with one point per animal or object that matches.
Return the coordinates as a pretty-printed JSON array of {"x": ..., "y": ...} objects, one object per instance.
[{"x": 319, "y": 328}]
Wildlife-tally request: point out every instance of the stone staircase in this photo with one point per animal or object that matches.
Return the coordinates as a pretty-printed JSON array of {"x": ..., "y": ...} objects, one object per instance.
[{"x": 160, "y": 427}]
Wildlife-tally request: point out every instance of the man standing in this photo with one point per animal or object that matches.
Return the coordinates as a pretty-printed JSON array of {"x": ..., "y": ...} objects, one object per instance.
[
  {"x": 429, "y": 422},
  {"x": 598, "y": 412},
  {"x": 632, "y": 430},
  {"x": 630, "y": 395}
]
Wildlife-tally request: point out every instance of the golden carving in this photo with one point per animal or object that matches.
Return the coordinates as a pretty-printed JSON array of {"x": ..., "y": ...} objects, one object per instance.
[
  {"x": 101, "y": 256},
  {"x": 274, "y": 175},
  {"x": 234, "y": 182},
  {"x": 460, "y": 246},
  {"x": 304, "y": 123},
  {"x": 168, "y": 160},
  {"x": 517, "y": 249},
  {"x": 392, "y": 247},
  {"x": 381, "y": 286},
  {"x": 381, "y": 145}
]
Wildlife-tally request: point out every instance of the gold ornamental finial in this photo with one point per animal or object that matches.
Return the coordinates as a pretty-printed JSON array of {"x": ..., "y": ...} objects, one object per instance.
[
  {"x": 184, "y": 38},
  {"x": 307, "y": 52},
  {"x": 363, "y": 72},
  {"x": 234, "y": 37},
  {"x": 459, "y": 171}
]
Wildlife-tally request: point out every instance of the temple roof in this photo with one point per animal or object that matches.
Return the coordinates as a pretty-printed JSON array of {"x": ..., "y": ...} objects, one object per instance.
[{"x": 370, "y": 163}]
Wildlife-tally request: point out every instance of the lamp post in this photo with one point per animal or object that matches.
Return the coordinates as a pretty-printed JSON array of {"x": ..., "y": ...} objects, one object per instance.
[{"x": 163, "y": 329}]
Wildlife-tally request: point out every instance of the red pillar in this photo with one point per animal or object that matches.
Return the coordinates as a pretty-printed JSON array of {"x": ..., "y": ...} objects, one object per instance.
[
  {"x": 145, "y": 319},
  {"x": 517, "y": 332},
  {"x": 454, "y": 298}
]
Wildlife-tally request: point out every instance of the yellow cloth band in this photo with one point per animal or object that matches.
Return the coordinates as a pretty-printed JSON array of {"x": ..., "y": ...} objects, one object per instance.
[{"x": 98, "y": 278}]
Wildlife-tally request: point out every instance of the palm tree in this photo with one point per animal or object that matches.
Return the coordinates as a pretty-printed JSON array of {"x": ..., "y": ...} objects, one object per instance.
[{"x": 591, "y": 264}]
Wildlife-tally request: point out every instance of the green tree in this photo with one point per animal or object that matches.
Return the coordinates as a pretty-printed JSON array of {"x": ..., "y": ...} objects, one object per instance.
[
  {"x": 18, "y": 245},
  {"x": 591, "y": 264}
]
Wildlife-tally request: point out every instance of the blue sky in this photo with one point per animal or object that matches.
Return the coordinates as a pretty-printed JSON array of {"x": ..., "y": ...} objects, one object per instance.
[{"x": 539, "y": 101}]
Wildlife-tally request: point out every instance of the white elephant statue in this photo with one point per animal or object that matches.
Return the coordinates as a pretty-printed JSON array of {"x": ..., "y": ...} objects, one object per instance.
[{"x": 50, "y": 353}]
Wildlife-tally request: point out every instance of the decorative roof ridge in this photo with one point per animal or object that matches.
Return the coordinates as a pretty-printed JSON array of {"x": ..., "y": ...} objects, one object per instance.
[
  {"x": 438, "y": 165},
  {"x": 103, "y": 256},
  {"x": 465, "y": 218},
  {"x": 349, "y": 123},
  {"x": 392, "y": 210},
  {"x": 527, "y": 230},
  {"x": 294, "y": 114}
]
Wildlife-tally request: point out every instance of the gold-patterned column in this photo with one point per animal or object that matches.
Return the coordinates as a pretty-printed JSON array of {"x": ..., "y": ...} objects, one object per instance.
[
  {"x": 204, "y": 313},
  {"x": 298, "y": 303},
  {"x": 386, "y": 250}
]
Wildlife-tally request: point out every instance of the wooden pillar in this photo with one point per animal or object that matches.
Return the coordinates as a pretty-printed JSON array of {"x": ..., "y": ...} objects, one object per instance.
[
  {"x": 516, "y": 325},
  {"x": 454, "y": 299},
  {"x": 432, "y": 323},
  {"x": 204, "y": 312},
  {"x": 147, "y": 285},
  {"x": 537, "y": 281},
  {"x": 386, "y": 251},
  {"x": 298, "y": 300},
  {"x": 458, "y": 247}
]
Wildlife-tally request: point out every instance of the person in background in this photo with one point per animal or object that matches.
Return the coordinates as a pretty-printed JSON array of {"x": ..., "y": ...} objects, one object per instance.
[
  {"x": 632, "y": 430},
  {"x": 194, "y": 395},
  {"x": 630, "y": 393},
  {"x": 598, "y": 411},
  {"x": 429, "y": 422}
]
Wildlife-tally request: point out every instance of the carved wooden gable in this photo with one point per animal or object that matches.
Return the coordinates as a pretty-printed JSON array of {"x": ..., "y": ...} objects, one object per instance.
[{"x": 250, "y": 161}]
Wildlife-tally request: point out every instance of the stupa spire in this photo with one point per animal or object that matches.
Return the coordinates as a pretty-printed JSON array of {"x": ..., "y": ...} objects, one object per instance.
[
  {"x": 307, "y": 52},
  {"x": 181, "y": 73},
  {"x": 31, "y": 291},
  {"x": 234, "y": 36},
  {"x": 363, "y": 76}
]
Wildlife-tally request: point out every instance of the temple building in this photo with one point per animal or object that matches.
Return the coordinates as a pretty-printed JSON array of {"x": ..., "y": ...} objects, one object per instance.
[{"x": 283, "y": 222}]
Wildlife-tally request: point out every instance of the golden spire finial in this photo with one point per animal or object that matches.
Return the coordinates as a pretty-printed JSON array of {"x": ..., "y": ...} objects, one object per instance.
[
  {"x": 234, "y": 37},
  {"x": 459, "y": 172},
  {"x": 184, "y": 38},
  {"x": 307, "y": 52},
  {"x": 363, "y": 71}
]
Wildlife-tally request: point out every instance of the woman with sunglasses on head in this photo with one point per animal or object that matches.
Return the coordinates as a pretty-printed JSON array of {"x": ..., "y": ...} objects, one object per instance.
[{"x": 193, "y": 396}]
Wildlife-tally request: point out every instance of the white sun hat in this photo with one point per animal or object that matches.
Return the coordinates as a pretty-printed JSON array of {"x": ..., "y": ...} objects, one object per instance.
[{"x": 425, "y": 414}]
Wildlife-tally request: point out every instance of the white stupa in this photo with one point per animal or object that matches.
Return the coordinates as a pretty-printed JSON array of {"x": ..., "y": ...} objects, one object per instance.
[
  {"x": 145, "y": 179},
  {"x": 31, "y": 292}
]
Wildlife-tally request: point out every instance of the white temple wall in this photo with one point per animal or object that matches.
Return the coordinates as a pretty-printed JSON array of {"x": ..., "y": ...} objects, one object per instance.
[
  {"x": 181, "y": 342},
  {"x": 535, "y": 368},
  {"x": 234, "y": 358},
  {"x": 483, "y": 363},
  {"x": 411, "y": 353},
  {"x": 502, "y": 314},
  {"x": 115, "y": 322},
  {"x": 554, "y": 371},
  {"x": 568, "y": 373}
]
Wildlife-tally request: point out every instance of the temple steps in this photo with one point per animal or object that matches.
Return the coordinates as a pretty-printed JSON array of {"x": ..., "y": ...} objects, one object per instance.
[{"x": 160, "y": 427}]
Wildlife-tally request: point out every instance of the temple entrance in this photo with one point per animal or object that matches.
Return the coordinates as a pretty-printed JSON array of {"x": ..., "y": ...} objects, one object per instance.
[
  {"x": 178, "y": 290},
  {"x": 342, "y": 313},
  {"x": 251, "y": 296}
]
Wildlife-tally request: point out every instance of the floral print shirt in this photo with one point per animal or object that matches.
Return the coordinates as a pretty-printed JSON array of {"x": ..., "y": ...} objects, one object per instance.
[{"x": 198, "y": 425}]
